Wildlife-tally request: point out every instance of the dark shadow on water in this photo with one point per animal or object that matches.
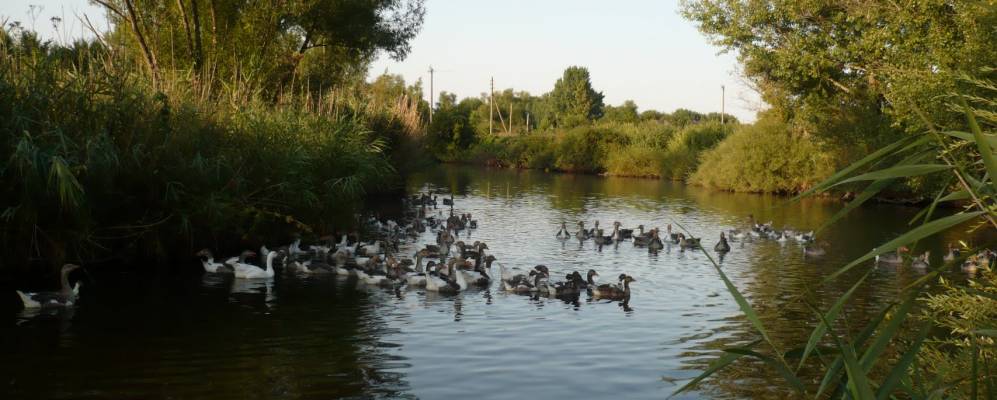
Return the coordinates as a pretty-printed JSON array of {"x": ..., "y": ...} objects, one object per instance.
[{"x": 210, "y": 336}]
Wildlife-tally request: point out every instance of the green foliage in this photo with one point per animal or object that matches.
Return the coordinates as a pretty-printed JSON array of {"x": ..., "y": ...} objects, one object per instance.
[
  {"x": 573, "y": 100},
  {"x": 964, "y": 312},
  {"x": 684, "y": 148},
  {"x": 98, "y": 165},
  {"x": 958, "y": 361},
  {"x": 268, "y": 45},
  {"x": 582, "y": 149},
  {"x": 625, "y": 113},
  {"x": 764, "y": 157},
  {"x": 847, "y": 71}
]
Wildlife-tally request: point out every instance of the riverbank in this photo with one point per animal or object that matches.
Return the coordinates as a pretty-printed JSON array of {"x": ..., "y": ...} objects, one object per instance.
[
  {"x": 763, "y": 157},
  {"x": 102, "y": 164}
]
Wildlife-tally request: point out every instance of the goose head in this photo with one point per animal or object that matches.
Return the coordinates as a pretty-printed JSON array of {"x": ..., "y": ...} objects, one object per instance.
[
  {"x": 205, "y": 253},
  {"x": 592, "y": 276},
  {"x": 488, "y": 261}
]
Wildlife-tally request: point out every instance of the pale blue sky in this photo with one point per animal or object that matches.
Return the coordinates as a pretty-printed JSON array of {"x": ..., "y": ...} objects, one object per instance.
[{"x": 635, "y": 49}]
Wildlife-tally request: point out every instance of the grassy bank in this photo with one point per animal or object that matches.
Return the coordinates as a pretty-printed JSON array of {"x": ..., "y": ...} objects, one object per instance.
[
  {"x": 100, "y": 165},
  {"x": 645, "y": 149}
]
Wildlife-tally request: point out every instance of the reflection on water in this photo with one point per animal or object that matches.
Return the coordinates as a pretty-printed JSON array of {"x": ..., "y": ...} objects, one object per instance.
[{"x": 323, "y": 337}]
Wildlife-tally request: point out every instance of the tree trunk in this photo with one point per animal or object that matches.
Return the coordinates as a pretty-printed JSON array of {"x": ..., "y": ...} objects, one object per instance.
[
  {"x": 150, "y": 56},
  {"x": 198, "y": 49},
  {"x": 186, "y": 28},
  {"x": 214, "y": 28}
]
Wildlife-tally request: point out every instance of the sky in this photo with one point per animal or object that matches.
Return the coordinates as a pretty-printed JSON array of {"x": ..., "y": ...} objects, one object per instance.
[{"x": 641, "y": 50}]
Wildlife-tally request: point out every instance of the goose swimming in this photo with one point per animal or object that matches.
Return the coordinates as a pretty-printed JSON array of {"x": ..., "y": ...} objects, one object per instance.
[
  {"x": 239, "y": 263},
  {"x": 722, "y": 246},
  {"x": 921, "y": 261},
  {"x": 614, "y": 292},
  {"x": 892, "y": 258},
  {"x": 210, "y": 265},
  {"x": 563, "y": 232},
  {"x": 64, "y": 297},
  {"x": 813, "y": 250},
  {"x": 952, "y": 254},
  {"x": 248, "y": 271}
]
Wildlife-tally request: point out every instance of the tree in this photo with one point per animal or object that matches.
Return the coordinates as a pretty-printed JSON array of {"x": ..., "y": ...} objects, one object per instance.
[
  {"x": 851, "y": 70},
  {"x": 573, "y": 99},
  {"x": 311, "y": 43},
  {"x": 627, "y": 113}
]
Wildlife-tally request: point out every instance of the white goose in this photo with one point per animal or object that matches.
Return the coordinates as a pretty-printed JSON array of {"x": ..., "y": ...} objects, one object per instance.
[
  {"x": 249, "y": 271},
  {"x": 65, "y": 297},
  {"x": 437, "y": 284},
  {"x": 418, "y": 278}
]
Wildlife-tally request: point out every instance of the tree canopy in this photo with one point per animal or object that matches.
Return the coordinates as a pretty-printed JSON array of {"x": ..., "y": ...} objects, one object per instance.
[
  {"x": 851, "y": 69},
  {"x": 573, "y": 99},
  {"x": 270, "y": 44}
]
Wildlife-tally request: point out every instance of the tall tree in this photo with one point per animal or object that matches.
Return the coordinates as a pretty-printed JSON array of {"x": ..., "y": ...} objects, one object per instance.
[
  {"x": 573, "y": 99},
  {"x": 313, "y": 43},
  {"x": 853, "y": 69}
]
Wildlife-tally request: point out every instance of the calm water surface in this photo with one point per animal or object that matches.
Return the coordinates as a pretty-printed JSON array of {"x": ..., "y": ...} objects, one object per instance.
[{"x": 323, "y": 337}]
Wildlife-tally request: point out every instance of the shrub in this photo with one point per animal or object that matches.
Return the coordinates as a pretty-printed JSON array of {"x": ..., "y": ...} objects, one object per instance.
[
  {"x": 763, "y": 157},
  {"x": 682, "y": 153}
]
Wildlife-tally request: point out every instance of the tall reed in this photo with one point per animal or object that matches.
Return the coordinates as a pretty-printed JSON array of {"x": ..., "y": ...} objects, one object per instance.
[{"x": 101, "y": 166}]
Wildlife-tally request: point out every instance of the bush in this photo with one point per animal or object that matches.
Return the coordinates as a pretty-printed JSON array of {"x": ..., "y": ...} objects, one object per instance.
[
  {"x": 684, "y": 148},
  {"x": 763, "y": 157}
]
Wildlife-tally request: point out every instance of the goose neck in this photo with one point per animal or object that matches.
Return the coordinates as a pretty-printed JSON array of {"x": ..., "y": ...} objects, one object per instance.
[{"x": 64, "y": 282}]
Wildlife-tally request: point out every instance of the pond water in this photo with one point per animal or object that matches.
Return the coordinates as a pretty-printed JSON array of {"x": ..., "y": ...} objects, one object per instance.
[{"x": 325, "y": 337}]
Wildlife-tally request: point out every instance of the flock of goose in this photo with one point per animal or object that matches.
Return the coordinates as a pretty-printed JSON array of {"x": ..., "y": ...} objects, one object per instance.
[{"x": 450, "y": 265}]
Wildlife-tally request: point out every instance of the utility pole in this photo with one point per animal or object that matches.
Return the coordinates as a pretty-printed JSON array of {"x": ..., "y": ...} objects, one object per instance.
[
  {"x": 510, "y": 115},
  {"x": 430, "y": 94},
  {"x": 723, "y": 92},
  {"x": 491, "y": 106}
]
